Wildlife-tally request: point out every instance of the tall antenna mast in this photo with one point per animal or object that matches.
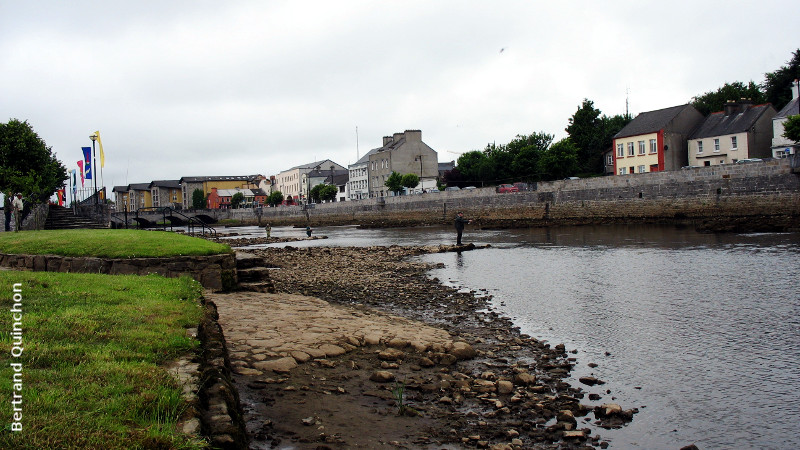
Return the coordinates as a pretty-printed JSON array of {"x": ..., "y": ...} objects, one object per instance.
[
  {"x": 627, "y": 91},
  {"x": 357, "y": 157}
]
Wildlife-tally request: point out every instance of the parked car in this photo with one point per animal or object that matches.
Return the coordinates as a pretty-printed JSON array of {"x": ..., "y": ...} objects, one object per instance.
[
  {"x": 469, "y": 188},
  {"x": 748, "y": 160},
  {"x": 433, "y": 190},
  {"x": 521, "y": 186},
  {"x": 452, "y": 188},
  {"x": 572, "y": 178},
  {"x": 503, "y": 188}
]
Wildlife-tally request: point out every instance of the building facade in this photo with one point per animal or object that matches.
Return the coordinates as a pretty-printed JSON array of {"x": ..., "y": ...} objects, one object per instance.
[
  {"x": 403, "y": 153},
  {"x": 741, "y": 131},
  {"x": 655, "y": 141},
  {"x": 205, "y": 185},
  {"x": 291, "y": 183},
  {"x": 166, "y": 193},
  {"x": 782, "y": 147}
]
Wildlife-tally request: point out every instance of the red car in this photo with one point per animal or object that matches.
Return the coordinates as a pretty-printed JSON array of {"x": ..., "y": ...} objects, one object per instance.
[{"x": 507, "y": 188}]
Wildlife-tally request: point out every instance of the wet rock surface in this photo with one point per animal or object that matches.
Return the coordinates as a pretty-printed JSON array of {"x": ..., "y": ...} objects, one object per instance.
[{"x": 422, "y": 366}]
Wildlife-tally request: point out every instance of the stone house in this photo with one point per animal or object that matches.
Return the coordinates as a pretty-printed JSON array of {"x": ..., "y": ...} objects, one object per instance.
[
  {"x": 782, "y": 147},
  {"x": 166, "y": 193},
  {"x": 741, "y": 131},
  {"x": 655, "y": 141},
  {"x": 403, "y": 153}
]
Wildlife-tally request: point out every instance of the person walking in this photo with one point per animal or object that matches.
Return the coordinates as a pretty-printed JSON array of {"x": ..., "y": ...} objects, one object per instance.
[
  {"x": 17, "y": 206},
  {"x": 459, "y": 223}
]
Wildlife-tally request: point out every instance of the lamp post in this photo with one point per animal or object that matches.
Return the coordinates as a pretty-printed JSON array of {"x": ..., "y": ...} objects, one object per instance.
[{"x": 93, "y": 137}]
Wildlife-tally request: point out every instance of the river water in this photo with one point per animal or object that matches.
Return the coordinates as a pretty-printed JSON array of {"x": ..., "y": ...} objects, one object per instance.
[{"x": 701, "y": 332}]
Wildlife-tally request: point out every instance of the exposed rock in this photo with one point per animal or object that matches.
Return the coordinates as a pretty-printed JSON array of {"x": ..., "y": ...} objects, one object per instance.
[
  {"x": 590, "y": 381},
  {"x": 463, "y": 350},
  {"x": 382, "y": 376},
  {"x": 282, "y": 365},
  {"x": 505, "y": 387},
  {"x": 391, "y": 354}
]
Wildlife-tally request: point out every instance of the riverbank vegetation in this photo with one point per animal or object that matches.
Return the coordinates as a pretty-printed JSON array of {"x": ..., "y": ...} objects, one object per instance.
[
  {"x": 94, "y": 347},
  {"x": 108, "y": 244}
]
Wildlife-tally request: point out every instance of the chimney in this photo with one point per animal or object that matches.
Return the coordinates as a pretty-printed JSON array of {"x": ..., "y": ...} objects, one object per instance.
[
  {"x": 413, "y": 136},
  {"x": 387, "y": 140},
  {"x": 795, "y": 89},
  {"x": 731, "y": 108},
  {"x": 397, "y": 136}
]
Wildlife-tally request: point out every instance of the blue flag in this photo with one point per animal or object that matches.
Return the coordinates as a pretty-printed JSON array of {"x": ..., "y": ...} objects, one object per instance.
[{"x": 87, "y": 162}]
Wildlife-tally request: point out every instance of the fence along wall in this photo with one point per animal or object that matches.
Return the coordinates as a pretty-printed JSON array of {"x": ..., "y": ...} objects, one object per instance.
[{"x": 766, "y": 191}]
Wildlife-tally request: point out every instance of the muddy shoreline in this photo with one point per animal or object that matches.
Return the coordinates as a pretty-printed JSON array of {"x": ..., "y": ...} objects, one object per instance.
[{"x": 512, "y": 394}]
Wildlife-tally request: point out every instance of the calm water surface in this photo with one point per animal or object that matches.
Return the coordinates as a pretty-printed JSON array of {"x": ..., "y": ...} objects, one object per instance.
[{"x": 701, "y": 332}]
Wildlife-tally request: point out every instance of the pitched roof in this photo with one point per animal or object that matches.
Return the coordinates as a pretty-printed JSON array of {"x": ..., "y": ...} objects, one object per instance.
[
  {"x": 651, "y": 121},
  {"x": 249, "y": 178},
  {"x": 139, "y": 187},
  {"x": 721, "y": 124},
  {"x": 121, "y": 188},
  {"x": 174, "y": 184},
  {"x": 365, "y": 159},
  {"x": 791, "y": 109}
]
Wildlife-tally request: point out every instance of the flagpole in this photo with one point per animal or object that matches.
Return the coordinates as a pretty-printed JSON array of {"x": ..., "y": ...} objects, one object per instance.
[{"x": 94, "y": 168}]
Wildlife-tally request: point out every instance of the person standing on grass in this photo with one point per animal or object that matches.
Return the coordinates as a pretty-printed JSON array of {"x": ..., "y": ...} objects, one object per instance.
[
  {"x": 17, "y": 206},
  {"x": 459, "y": 223},
  {"x": 7, "y": 211}
]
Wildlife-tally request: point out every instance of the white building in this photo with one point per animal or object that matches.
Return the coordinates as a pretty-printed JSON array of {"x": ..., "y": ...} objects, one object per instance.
[
  {"x": 782, "y": 147},
  {"x": 290, "y": 181}
]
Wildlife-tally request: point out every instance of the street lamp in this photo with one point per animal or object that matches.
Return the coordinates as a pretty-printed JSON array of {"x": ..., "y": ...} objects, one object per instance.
[{"x": 93, "y": 137}]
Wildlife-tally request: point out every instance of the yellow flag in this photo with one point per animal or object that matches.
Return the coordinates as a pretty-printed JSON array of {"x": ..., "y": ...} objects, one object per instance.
[{"x": 102, "y": 155}]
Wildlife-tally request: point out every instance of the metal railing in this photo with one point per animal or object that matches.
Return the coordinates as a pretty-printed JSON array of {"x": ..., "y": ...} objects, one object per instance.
[{"x": 167, "y": 213}]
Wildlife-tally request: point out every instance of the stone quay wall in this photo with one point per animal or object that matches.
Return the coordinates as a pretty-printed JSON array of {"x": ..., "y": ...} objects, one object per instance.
[
  {"x": 216, "y": 272},
  {"x": 768, "y": 192}
]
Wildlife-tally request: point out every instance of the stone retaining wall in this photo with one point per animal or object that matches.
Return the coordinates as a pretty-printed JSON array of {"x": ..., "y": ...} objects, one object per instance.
[
  {"x": 766, "y": 192},
  {"x": 215, "y": 272}
]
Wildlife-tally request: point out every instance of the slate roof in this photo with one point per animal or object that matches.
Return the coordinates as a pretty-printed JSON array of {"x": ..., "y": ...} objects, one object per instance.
[
  {"x": 791, "y": 109},
  {"x": 338, "y": 179},
  {"x": 313, "y": 165},
  {"x": 173, "y": 184},
  {"x": 250, "y": 178},
  {"x": 139, "y": 187},
  {"x": 120, "y": 189},
  {"x": 651, "y": 121},
  {"x": 719, "y": 124},
  {"x": 365, "y": 159}
]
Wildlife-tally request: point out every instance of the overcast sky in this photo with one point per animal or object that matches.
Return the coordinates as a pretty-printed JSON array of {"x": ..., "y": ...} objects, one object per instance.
[{"x": 189, "y": 88}]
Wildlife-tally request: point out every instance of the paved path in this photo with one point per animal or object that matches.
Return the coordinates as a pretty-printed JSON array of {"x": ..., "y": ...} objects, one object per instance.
[{"x": 268, "y": 333}]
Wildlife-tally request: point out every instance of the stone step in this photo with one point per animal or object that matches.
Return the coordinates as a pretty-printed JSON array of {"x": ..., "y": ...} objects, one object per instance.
[
  {"x": 248, "y": 260},
  {"x": 252, "y": 274},
  {"x": 266, "y": 287}
]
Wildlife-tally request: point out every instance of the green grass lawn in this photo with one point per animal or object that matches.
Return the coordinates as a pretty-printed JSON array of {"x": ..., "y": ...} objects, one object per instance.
[
  {"x": 107, "y": 243},
  {"x": 94, "y": 346}
]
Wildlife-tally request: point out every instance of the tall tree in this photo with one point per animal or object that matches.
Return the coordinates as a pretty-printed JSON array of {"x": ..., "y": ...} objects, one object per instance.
[
  {"x": 275, "y": 198},
  {"x": 714, "y": 101},
  {"x": 560, "y": 160},
  {"x": 526, "y": 151},
  {"x": 394, "y": 182},
  {"x": 328, "y": 192},
  {"x": 592, "y": 134},
  {"x": 791, "y": 128},
  {"x": 198, "y": 199},
  {"x": 237, "y": 200},
  {"x": 27, "y": 164},
  {"x": 410, "y": 181},
  {"x": 777, "y": 85}
]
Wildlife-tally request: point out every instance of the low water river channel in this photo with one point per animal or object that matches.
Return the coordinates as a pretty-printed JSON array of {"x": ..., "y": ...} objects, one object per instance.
[{"x": 701, "y": 332}]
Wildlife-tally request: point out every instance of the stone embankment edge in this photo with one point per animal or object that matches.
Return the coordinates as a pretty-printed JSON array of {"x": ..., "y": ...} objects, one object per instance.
[
  {"x": 220, "y": 409},
  {"x": 215, "y": 272}
]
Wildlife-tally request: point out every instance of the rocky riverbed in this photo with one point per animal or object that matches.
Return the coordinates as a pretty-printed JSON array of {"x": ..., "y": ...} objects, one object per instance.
[{"x": 398, "y": 391}]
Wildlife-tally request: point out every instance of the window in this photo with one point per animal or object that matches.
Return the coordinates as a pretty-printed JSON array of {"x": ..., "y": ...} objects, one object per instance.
[
  {"x": 699, "y": 146},
  {"x": 733, "y": 143},
  {"x": 653, "y": 148},
  {"x": 630, "y": 149},
  {"x": 642, "y": 149},
  {"x": 622, "y": 170},
  {"x": 620, "y": 150},
  {"x": 641, "y": 168},
  {"x": 716, "y": 145},
  {"x": 609, "y": 160}
]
